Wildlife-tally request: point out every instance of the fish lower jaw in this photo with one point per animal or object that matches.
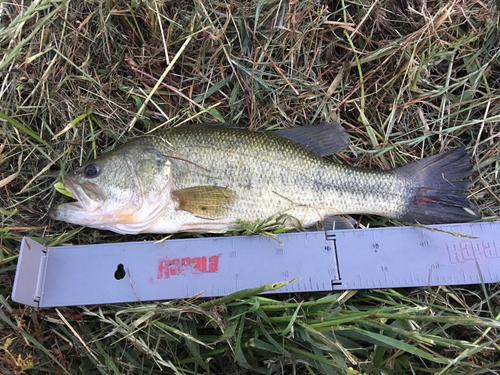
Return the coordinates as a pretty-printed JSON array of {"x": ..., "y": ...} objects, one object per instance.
[{"x": 74, "y": 212}]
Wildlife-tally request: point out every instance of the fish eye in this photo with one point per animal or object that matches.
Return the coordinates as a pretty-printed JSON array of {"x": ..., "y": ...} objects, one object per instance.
[{"x": 91, "y": 171}]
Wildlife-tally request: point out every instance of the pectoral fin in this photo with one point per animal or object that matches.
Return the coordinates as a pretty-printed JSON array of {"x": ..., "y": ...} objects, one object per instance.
[{"x": 210, "y": 202}]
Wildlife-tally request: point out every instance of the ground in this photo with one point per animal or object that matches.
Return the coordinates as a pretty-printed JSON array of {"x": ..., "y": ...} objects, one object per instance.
[{"x": 407, "y": 79}]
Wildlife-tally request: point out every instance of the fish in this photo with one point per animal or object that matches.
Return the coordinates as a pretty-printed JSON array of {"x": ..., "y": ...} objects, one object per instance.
[{"x": 210, "y": 177}]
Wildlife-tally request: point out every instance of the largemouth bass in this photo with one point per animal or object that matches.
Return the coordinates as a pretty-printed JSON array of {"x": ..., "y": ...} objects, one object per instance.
[{"x": 207, "y": 177}]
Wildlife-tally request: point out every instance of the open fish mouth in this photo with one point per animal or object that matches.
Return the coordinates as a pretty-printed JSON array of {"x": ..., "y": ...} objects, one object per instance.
[
  {"x": 88, "y": 199},
  {"x": 72, "y": 189},
  {"x": 78, "y": 203}
]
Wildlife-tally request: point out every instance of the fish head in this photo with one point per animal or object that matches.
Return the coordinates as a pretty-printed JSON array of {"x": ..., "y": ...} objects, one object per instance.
[{"x": 127, "y": 187}]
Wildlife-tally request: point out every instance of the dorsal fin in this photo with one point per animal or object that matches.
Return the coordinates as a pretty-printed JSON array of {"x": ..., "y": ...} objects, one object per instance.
[{"x": 326, "y": 138}]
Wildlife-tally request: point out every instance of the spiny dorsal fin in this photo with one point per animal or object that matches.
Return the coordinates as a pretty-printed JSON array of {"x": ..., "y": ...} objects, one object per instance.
[
  {"x": 210, "y": 202},
  {"x": 326, "y": 138}
]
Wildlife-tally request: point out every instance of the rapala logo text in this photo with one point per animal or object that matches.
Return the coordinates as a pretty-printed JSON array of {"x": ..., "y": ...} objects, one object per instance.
[
  {"x": 473, "y": 250},
  {"x": 180, "y": 266}
]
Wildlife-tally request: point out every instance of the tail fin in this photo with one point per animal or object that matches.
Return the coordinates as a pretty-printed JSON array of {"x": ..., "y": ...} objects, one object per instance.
[{"x": 439, "y": 193}]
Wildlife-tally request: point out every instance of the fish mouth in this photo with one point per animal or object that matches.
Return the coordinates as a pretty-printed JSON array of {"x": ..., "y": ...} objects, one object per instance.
[
  {"x": 69, "y": 185},
  {"x": 88, "y": 199}
]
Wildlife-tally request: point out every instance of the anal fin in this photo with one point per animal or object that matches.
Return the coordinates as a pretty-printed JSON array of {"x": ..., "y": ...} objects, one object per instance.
[{"x": 333, "y": 223}]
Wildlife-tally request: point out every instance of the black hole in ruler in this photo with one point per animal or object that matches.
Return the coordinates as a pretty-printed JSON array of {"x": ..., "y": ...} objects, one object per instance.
[{"x": 120, "y": 272}]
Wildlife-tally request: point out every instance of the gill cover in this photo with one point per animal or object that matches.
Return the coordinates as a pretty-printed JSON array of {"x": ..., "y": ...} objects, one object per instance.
[{"x": 124, "y": 190}]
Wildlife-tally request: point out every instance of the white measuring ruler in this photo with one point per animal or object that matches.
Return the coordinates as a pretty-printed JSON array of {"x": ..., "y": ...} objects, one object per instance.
[{"x": 324, "y": 261}]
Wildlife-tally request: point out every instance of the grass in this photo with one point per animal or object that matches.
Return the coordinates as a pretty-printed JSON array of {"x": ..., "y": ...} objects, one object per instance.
[{"x": 406, "y": 78}]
